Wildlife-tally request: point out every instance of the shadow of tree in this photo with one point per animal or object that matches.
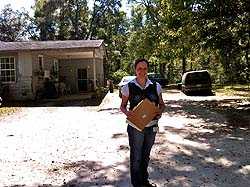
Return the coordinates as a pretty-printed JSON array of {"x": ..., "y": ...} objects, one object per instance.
[
  {"x": 58, "y": 102},
  {"x": 229, "y": 113},
  {"x": 90, "y": 173},
  {"x": 214, "y": 154},
  {"x": 111, "y": 110},
  {"x": 218, "y": 156},
  {"x": 210, "y": 155},
  {"x": 235, "y": 90},
  {"x": 223, "y": 162}
]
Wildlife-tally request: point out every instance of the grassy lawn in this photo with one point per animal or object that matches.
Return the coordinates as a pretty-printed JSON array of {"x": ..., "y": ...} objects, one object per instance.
[
  {"x": 8, "y": 110},
  {"x": 235, "y": 90}
]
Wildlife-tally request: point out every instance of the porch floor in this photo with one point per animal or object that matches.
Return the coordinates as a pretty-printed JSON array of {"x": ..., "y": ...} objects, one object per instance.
[
  {"x": 82, "y": 99},
  {"x": 73, "y": 97}
]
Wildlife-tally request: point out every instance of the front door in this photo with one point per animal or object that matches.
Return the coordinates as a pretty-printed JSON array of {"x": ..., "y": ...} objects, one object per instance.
[{"x": 82, "y": 80}]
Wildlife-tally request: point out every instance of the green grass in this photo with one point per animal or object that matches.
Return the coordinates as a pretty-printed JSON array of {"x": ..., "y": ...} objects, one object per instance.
[
  {"x": 233, "y": 90},
  {"x": 7, "y": 110}
]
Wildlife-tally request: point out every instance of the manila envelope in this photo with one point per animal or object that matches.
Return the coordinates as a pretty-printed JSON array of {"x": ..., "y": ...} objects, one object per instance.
[{"x": 144, "y": 113}]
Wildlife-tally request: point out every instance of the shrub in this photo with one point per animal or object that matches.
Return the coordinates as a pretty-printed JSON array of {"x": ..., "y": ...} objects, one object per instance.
[
  {"x": 100, "y": 92},
  {"x": 117, "y": 76}
]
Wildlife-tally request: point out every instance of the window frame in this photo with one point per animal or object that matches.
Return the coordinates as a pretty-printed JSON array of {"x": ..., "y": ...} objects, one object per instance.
[
  {"x": 10, "y": 69},
  {"x": 55, "y": 65},
  {"x": 41, "y": 68}
]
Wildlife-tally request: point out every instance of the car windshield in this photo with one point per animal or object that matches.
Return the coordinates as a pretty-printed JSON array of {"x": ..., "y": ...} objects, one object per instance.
[
  {"x": 154, "y": 75},
  {"x": 125, "y": 80},
  {"x": 198, "y": 78}
]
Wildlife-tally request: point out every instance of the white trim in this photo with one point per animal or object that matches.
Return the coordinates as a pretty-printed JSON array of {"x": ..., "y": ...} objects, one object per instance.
[
  {"x": 94, "y": 68},
  {"x": 56, "y": 65},
  {"x": 10, "y": 69},
  {"x": 42, "y": 63}
]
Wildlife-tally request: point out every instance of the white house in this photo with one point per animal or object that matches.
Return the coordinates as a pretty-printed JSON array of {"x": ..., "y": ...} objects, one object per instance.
[{"x": 25, "y": 65}]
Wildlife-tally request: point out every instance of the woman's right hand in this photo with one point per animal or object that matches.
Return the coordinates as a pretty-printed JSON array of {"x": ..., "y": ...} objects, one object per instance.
[{"x": 130, "y": 114}]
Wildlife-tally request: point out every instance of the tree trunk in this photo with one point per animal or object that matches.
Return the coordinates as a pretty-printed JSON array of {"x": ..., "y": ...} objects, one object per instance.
[
  {"x": 184, "y": 64},
  {"x": 77, "y": 17},
  {"x": 89, "y": 34},
  {"x": 163, "y": 68}
]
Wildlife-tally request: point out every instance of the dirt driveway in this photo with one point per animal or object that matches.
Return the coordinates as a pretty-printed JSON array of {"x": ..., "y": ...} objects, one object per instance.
[{"x": 202, "y": 141}]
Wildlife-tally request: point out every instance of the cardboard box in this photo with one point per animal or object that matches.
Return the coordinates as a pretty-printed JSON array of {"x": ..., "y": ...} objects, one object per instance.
[{"x": 145, "y": 112}]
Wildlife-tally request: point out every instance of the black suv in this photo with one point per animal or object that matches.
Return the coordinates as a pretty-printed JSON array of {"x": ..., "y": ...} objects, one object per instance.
[
  {"x": 197, "y": 82},
  {"x": 157, "y": 77}
]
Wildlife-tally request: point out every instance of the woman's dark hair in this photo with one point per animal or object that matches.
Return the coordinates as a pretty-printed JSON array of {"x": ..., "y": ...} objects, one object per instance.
[{"x": 140, "y": 60}]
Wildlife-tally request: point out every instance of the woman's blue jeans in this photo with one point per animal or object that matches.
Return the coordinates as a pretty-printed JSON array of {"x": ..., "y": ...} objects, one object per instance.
[{"x": 140, "y": 146}]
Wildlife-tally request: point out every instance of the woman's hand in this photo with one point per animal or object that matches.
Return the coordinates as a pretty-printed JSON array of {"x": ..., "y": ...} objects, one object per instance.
[
  {"x": 158, "y": 114},
  {"x": 130, "y": 114},
  {"x": 161, "y": 108}
]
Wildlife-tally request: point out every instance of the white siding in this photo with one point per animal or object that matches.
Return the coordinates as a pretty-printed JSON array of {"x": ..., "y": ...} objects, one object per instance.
[
  {"x": 25, "y": 64},
  {"x": 24, "y": 76},
  {"x": 68, "y": 68},
  {"x": 99, "y": 72}
]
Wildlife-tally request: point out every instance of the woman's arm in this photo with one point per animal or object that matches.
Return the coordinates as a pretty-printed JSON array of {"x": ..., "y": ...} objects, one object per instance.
[
  {"x": 161, "y": 107},
  {"x": 161, "y": 104},
  {"x": 123, "y": 107}
]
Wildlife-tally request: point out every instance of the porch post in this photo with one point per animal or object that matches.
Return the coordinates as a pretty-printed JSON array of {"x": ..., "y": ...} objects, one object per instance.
[{"x": 94, "y": 68}]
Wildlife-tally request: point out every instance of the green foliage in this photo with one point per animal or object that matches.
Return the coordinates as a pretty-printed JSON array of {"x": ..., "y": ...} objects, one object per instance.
[
  {"x": 61, "y": 19},
  {"x": 4, "y": 111},
  {"x": 176, "y": 36},
  {"x": 13, "y": 24},
  {"x": 234, "y": 90},
  {"x": 109, "y": 23},
  {"x": 106, "y": 20},
  {"x": 100, "y": 92},
  {"x": 117, "y": 76},
  {"x": 191, "y": 35}
]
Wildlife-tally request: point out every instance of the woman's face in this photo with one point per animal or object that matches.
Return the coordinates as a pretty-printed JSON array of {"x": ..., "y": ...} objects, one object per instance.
[{"x": 141, "y": 70}]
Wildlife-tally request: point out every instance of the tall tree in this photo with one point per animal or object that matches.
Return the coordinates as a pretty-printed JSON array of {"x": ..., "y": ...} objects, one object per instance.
[
  {"x": 144, "y": 29},
  {"x": 106, "y": 19},
  {"x": 223, "y": 25},
  {"x": 109, "y": 23},
  {"x": 79, "y": 15},
  {"x": 45, "y": 19},
  {"x": 13, "y": 24},
  {"x": 61, "y": 19}
]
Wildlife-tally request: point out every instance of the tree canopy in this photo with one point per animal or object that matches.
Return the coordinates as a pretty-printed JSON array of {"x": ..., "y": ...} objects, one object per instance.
[{"x": 175, "y": 35}]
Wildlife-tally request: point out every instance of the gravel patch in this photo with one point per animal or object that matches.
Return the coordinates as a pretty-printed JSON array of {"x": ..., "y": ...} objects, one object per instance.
[{"x": 88, "y": 146}]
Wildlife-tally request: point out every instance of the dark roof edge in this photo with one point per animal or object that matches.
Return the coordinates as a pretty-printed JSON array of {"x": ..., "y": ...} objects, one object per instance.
[{"x": 15, "y": 46}]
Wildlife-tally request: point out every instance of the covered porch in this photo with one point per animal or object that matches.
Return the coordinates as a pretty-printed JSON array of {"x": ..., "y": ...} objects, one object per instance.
[
  {"x": 78, "y": 71},
  {"x": 69, "y": 67},
  {"x": 81, "y": 71}
]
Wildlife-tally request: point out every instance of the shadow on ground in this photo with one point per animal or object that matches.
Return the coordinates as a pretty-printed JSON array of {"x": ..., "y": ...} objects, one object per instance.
[
  {"x": 98, "y": 175},
  {"x": 223, "y": 163},
  {"x": 78, "y": 100},
  {"x": 90, "y": 174},
  {"x": 229, "y": 113},
  {"x": 214, "y": 154},
  {"x": 210, "y": 155}
]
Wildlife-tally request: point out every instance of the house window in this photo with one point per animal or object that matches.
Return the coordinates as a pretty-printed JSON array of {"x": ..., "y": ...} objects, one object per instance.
[
  {"x": 55, "y": 65},
  {"x": 55, "y": 69},
  {"x": 40, "y": 62},
  {"x": 7, "y": 69}
]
